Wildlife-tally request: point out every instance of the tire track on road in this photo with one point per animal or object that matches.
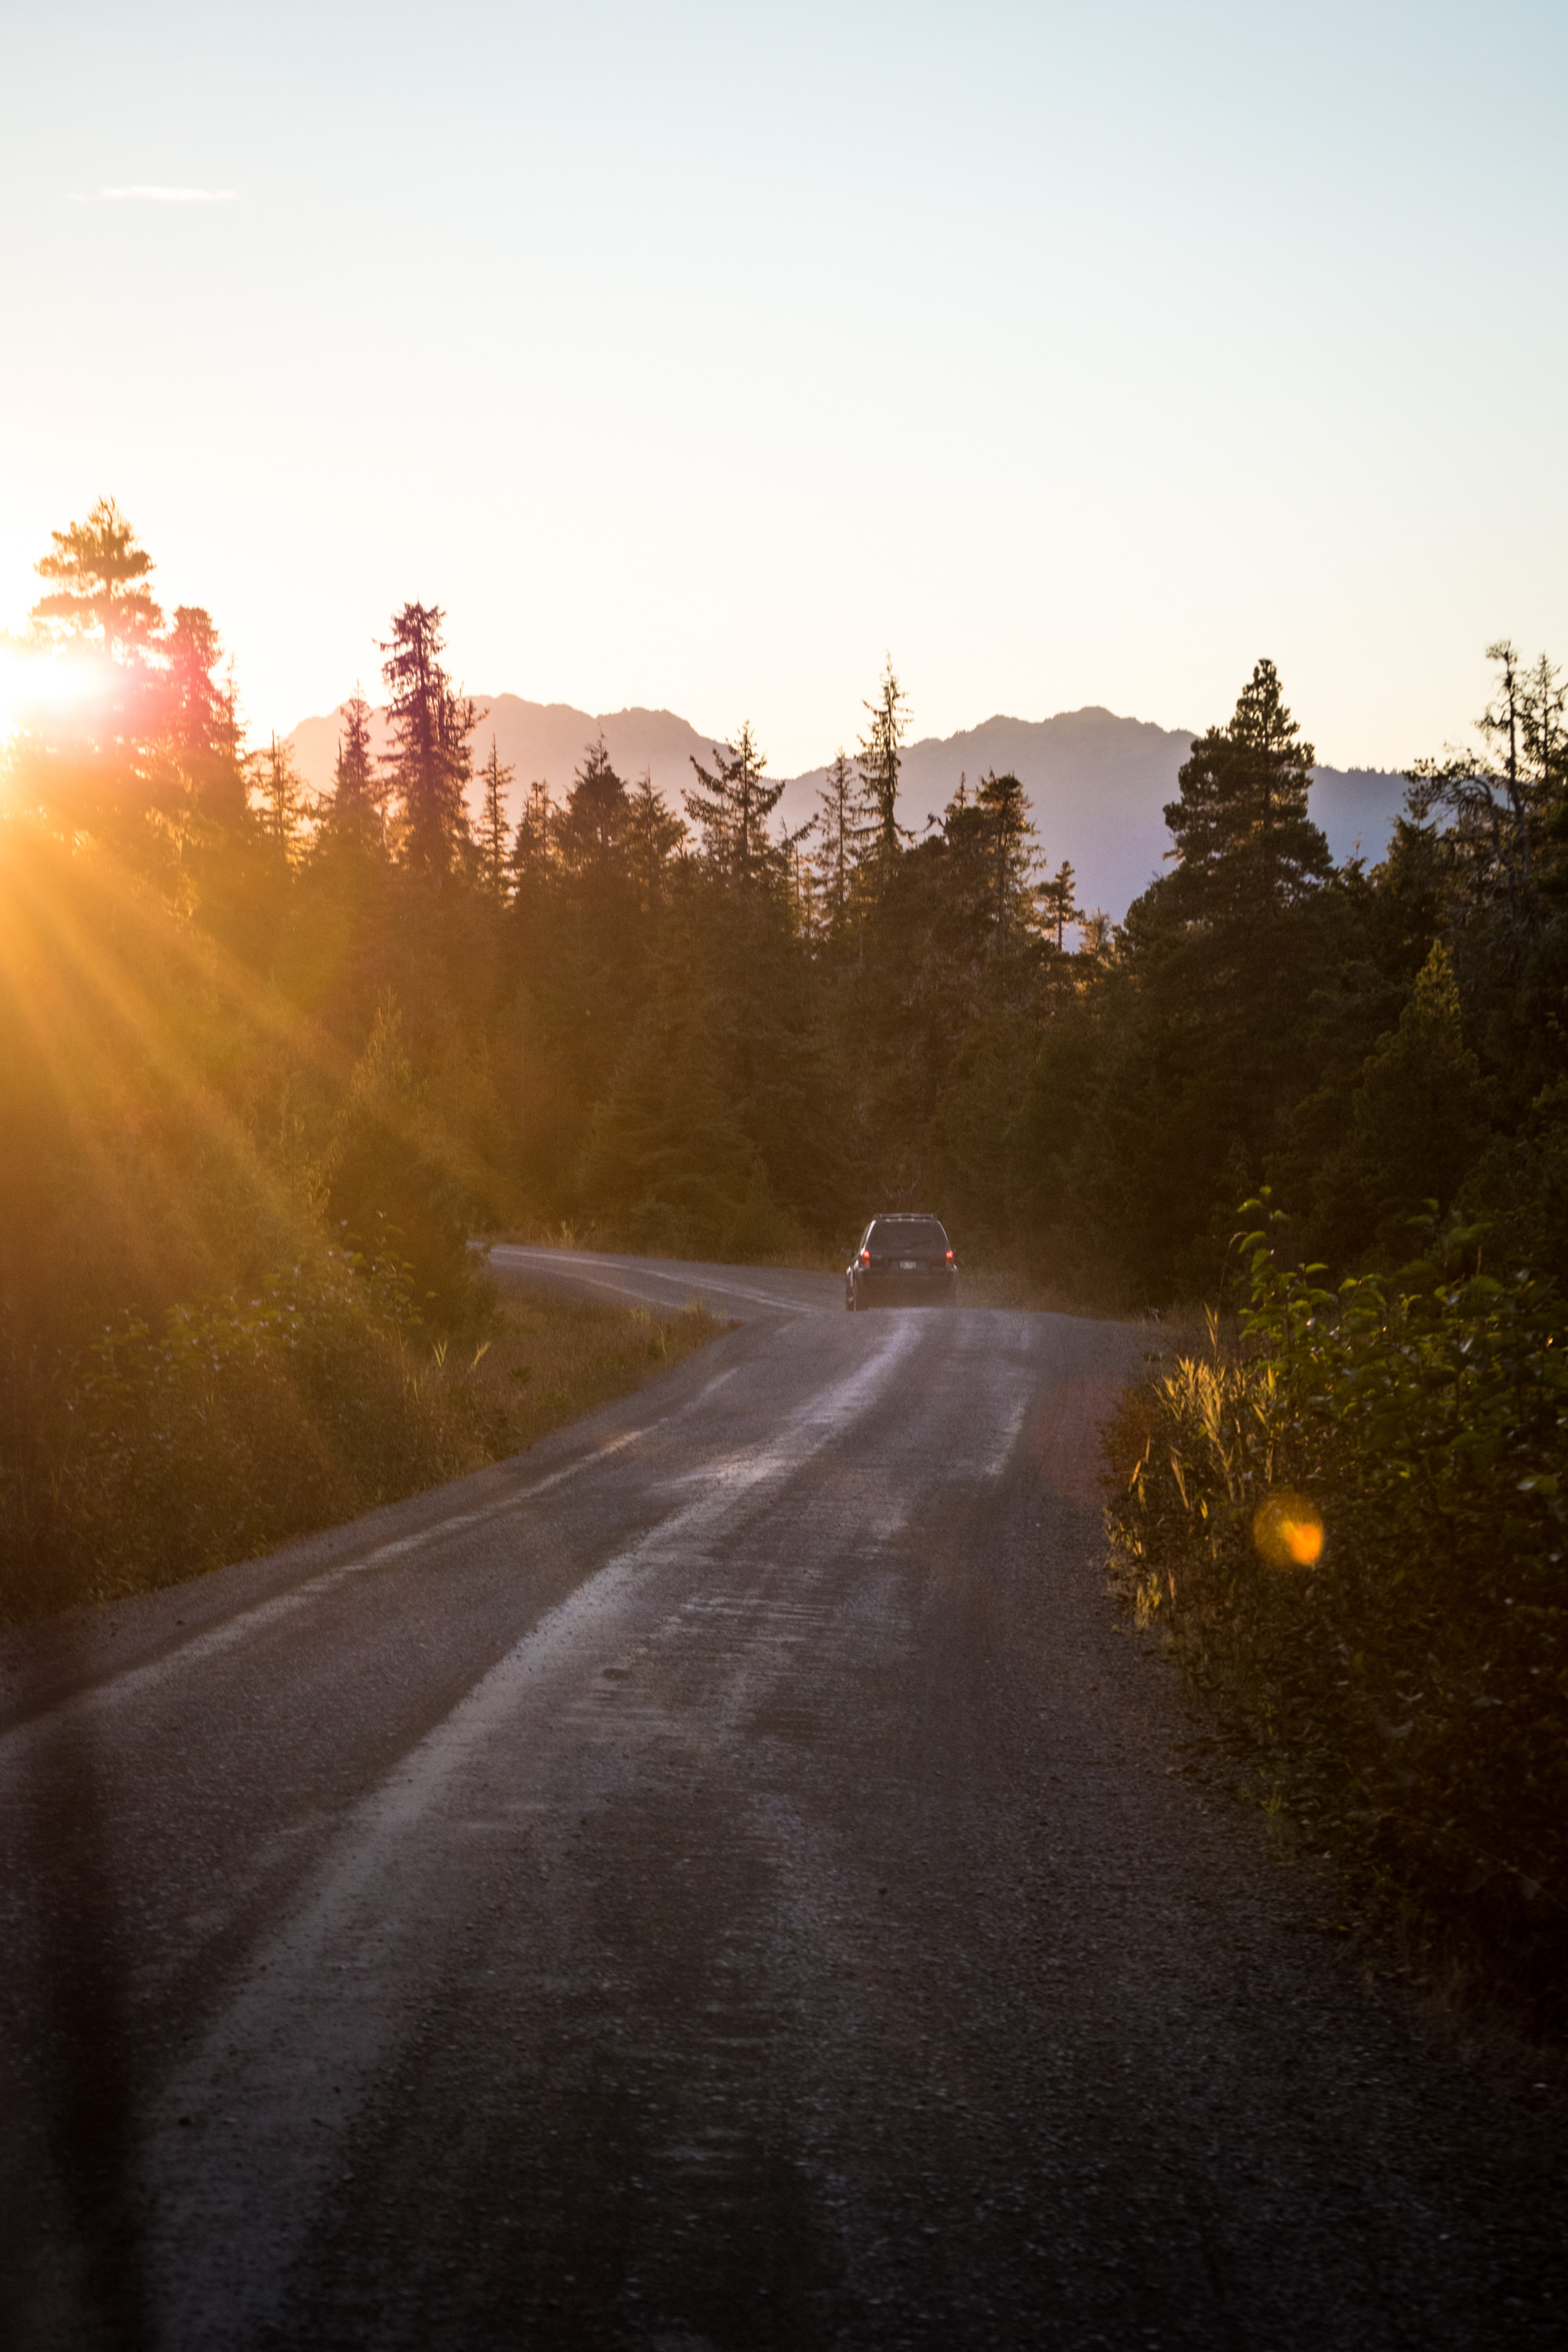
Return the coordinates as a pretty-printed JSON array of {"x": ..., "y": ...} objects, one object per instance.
[{"x": 236, "y": 2155}]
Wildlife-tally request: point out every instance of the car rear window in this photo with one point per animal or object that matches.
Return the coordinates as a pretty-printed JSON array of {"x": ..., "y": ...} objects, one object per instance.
[{"x": 908, "y": 1238}]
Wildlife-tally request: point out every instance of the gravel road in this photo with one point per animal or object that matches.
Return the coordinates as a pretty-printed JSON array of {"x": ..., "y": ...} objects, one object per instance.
[{"x": 722, "y": 1879}]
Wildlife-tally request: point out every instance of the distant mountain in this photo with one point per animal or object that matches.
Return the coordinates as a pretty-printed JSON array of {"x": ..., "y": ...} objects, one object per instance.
[
  {"x": 539, "y": 739},
  {"x": 1098, "y": 783}
]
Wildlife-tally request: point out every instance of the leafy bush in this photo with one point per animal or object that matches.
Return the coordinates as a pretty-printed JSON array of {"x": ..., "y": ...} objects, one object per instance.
[{"x": 1355, "y": 1532}]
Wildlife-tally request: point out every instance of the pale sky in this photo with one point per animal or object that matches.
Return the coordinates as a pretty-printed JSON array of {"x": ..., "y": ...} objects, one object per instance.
[{"x": 701, "y": 356}]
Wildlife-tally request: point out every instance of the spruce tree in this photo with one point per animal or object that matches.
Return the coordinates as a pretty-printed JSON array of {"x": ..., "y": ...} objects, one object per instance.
[
  {"x": 656, "y": 834},
  {"x": 595, "y": 828},
  {"x": 99, "y": 591},
  {"x": 731, "y": 812},
  {"x": 283, "y": 797},
  {"x": 199, "y": 735},
  {"x": 841, "y": 836},
  {"x": 534, "y": 845},
  {"x": 879, "y": 760},
  {"x": 1503, "y": 808},
  {"x": 1058, "y": 898},
  {"x": 1012, "y": 856},
  {"x": 355, "y": 813},
  {"x": 1244, "y": 841},
  {"x": 106, "y": 765},
  {"x": 493, "y": 781},
  {"x": 430, "y": 764}
]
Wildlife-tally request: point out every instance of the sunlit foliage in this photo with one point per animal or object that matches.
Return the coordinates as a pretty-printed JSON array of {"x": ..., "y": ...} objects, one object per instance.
[{"x": 1398, "y": 1445}]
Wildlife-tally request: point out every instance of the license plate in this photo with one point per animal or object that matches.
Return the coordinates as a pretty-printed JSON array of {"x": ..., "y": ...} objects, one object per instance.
[{"x": 908, "y": 1266}]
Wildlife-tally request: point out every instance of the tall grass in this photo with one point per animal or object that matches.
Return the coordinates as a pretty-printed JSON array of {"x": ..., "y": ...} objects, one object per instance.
[
  {"x": 155, "y": 1454},
  {"x": 1352, "y": 1532}
]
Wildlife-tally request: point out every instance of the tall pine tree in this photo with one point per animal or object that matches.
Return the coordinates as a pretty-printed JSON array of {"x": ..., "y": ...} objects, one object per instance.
[
  {"x": 1244, "y": 842},
  {"x": 493, "y": 781},
  {"x": 431, "y": 762},
  {"x": 355, "y": 811},
  {"x": 731, "y": 811},
  {"x": 878, "y": 764}
]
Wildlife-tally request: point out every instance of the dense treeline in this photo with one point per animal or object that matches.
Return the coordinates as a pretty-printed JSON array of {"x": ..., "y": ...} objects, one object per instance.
[{"x": 688, "y": 1029}]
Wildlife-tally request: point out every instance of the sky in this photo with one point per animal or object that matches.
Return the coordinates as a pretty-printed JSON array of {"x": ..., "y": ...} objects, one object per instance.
[{"x": 704, "y": 357}]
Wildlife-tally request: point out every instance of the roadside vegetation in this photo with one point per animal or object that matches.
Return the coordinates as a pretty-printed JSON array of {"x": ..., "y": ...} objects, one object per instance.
[
  {"x": 156, "y": 1453},
  {"x": 1349, "y": 1528}
]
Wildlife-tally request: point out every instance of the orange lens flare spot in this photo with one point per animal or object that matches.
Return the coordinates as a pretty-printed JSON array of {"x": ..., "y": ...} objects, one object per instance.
[{"x": 1289, "y": 1531}]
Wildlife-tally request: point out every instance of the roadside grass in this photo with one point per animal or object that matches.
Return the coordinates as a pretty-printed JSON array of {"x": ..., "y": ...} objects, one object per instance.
[
  {"x": 1348, "y": 1528},
  {"x": 155, "y": 1455}
]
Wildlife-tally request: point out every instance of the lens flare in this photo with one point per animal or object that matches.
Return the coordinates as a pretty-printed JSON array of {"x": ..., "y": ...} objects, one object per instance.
[{"x": 1287, "y": 1529}]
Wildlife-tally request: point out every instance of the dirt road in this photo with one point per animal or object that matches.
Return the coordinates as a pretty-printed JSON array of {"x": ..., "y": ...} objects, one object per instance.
[{"x": 720, "y": 1880}]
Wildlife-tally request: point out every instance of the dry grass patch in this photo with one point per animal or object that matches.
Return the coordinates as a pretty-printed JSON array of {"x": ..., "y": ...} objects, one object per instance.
[{"x": 549, "y": 1360}]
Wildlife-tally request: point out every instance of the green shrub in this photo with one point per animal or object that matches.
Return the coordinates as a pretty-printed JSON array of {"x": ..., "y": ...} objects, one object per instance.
[{"x": 1407, "y": 1682}]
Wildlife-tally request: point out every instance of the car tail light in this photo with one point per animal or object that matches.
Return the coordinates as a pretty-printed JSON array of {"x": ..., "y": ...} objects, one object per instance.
[
  {"x": 950, "y": 1257},
  {"x": 865, "y": 1257}
]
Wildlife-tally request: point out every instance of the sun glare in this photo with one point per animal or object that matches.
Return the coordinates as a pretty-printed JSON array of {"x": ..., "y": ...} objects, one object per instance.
[{"x": 41, "y": 688}]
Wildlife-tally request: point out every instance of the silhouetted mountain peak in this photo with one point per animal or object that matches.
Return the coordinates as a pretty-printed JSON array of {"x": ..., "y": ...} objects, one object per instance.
[{"x": 1098, "y": 781}]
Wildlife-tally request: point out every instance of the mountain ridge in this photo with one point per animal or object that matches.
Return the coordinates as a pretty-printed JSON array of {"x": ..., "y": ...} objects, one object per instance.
[{"x": 1097, "y": 781}]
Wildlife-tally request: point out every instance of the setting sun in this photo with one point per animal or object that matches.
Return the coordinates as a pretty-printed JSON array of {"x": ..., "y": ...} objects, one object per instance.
[{"x": 49, "y": 690}]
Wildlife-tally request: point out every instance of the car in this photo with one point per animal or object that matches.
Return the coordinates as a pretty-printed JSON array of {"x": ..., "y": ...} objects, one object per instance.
[{"x": 903, "y": 1260}]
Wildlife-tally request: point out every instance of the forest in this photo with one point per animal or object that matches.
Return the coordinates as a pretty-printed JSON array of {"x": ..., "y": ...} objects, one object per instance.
[{"x": 686, "y": 1031}]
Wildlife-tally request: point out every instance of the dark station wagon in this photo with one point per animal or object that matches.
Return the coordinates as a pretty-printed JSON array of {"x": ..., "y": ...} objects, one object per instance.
[{"x": 902, "y": 1261}]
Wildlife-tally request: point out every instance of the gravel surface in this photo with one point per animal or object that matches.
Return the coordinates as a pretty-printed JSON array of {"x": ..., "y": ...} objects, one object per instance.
[{"x": 723, "y": 1879}]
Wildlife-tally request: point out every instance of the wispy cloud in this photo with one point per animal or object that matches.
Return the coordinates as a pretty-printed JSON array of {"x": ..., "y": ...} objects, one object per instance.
[{"x": 160, "y": 196}]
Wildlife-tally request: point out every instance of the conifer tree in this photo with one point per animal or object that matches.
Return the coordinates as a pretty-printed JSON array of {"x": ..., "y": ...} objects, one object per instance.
[
  {"x": 493, "y": 781},
  {"x": 1059, "y": 901},
  {"x": 534, "y": 844},
  {"x": 283, "y": 796},
  {"x": 199, "y": 735},
  {"x": 879, "y": 763},
  {"x": 430, "y": 763},
  {"x": 107, "y": 764},
  {"x": 1012, "y": 856},
  {"x": 731, "y": 812},
  {"x": 656, "y": 834},
  {"x": 99, "y": 591},
  {"x": 1503, "y": 808},
  {"x": 595, "y": 827},
  {"x": 1244, "y": 841},
  {"x": 1418, "y": 1115},
  {"x": 355, "y": 813},
  {"x": 1544, "y": 728},
  {"x": 841, "y": 836}
]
